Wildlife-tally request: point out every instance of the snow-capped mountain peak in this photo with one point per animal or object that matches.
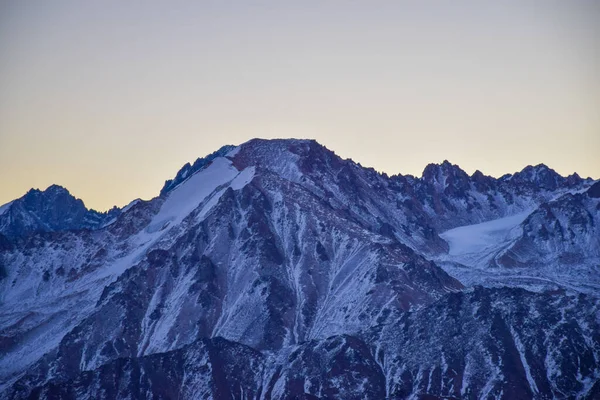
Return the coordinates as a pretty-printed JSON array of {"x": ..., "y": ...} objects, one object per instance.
[{"x": 276, "y": 269}]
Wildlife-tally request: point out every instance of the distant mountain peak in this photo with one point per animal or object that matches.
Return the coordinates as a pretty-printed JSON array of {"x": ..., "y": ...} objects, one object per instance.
[
  {"x": 538, "y": 169},
  {"x": 56, "y": 188},
  {"x": 445, "y": 166},
  {"x": 49, "y": 210},
  {"x": 52, "y": 189},
  {"x": 539, "y": 175},
  {"x": 278, "y": 141},
  {"x": 290, "y": 158},
  {"x": 264, "y": 149},
  {"x": 50, "y": 194},
  {"x": 438, "y": 173},
  {"x": 478, "y": 174}
]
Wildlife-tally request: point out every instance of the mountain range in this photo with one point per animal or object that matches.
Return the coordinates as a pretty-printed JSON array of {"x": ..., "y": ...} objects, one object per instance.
[{"x": 278, "y": 270}]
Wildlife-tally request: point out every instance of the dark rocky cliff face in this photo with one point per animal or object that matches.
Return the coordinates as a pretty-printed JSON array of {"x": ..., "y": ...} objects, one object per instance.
[
  {"x": 51, "y": 210},
  {"x": 278, "y": 270}
]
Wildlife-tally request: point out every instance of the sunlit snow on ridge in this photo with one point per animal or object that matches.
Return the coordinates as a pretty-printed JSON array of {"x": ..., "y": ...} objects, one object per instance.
[{"x": 187, "y": 196}]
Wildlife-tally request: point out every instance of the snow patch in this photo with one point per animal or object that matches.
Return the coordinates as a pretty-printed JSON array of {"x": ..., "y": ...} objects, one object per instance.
[
  {"x": 477, "y": 238},
  {"x": 128, "y": 206},
  {"x": 243, "y": 178},
  {"x": 521, "y": 349}
]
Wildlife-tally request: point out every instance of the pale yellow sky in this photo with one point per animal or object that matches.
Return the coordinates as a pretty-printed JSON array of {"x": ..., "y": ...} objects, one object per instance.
[{"x": 110, "y": 98}]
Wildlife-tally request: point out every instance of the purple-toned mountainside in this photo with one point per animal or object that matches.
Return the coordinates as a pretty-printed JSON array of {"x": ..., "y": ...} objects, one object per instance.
[
  {"x": 276, "y": 269},
  {"x": 51, "y": 210}
]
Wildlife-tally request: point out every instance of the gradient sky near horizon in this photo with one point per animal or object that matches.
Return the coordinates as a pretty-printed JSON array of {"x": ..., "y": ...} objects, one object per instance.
[{"x": 111, "y": 98}]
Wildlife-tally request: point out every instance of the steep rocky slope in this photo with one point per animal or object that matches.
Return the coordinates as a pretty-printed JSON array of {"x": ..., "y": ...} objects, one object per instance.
[{"x": 478, "y": 344}]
